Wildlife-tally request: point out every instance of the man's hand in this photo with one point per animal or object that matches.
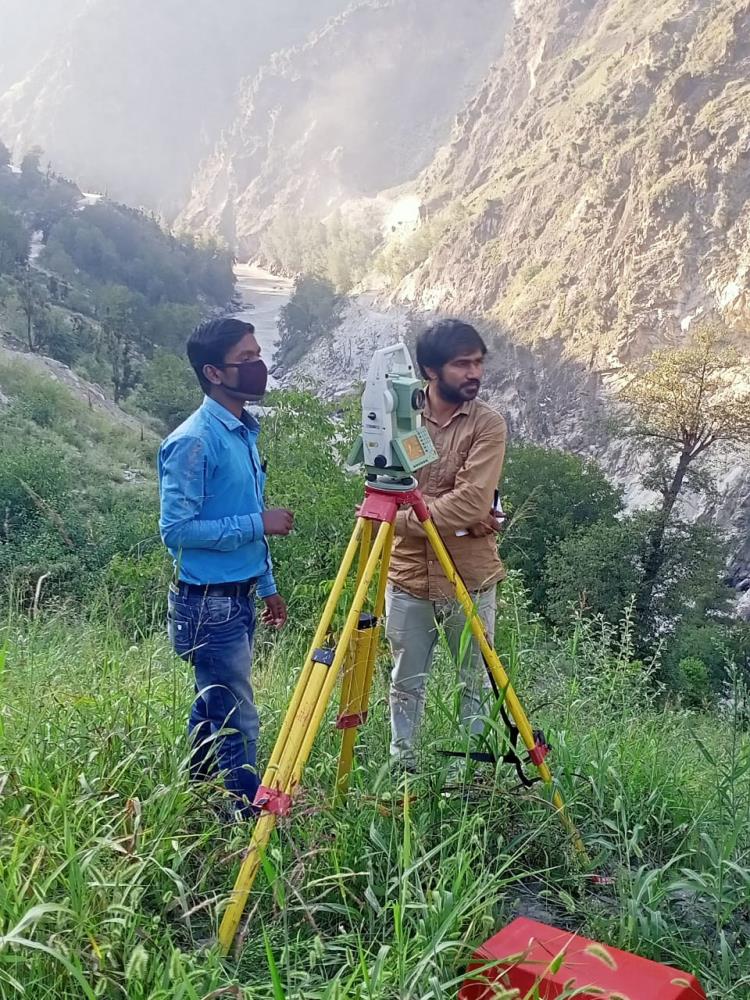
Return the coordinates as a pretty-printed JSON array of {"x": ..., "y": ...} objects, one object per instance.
[
  {"x": 275, "y": 613},
  {"x": 278, "y": 521},
  {"x": 492, "y": 525}
]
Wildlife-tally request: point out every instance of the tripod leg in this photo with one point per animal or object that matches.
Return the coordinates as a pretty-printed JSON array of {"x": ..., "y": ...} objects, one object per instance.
[
  {"x": 298, "y": 732},
  {"x": 364, "y": 549},
  {"x": 302, "y": 693},
  {"x": 500, "y": 677},
  {"x": 319, "y": 639},
  {"x": 350, "y": 672},
  {"x": 352, "y": 621},
  {"x": 276, "y": 803},
  {"x": 355, "y": 697}
]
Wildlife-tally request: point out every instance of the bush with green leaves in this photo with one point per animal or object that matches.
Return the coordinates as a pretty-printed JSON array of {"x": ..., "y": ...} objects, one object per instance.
[
  {"x": 14, "y": 242},
  {"x": 313, "y": 311},
  {"x": 694, "y": 682},
  {"x": 549, "y": 494},
  {"x": 714, "y": 640},
  {"x": 168, "y": 390},
  {"x": 596, "y": 569},
  {"x": 341, "y": 248},
  {"x": 305, "y": 441},
  {"x": 61, "y": 516}
]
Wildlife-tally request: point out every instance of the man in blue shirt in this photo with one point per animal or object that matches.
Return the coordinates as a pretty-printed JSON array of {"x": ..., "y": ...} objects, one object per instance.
[{"x": 214, "y": 523}]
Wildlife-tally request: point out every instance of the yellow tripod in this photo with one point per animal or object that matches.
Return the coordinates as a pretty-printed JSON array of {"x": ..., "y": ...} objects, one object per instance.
[{"x": 358, "y": 644}]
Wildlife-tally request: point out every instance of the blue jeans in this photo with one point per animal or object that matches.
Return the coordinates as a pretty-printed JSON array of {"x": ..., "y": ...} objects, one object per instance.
[{"x": 215, "y": 635}]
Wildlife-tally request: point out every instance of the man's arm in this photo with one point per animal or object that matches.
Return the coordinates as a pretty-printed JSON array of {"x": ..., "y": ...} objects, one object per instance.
[
  {"x": 183, "y": 489},
  {"x": 471, "y": 498},
  {"x": 275, "y": 611}
]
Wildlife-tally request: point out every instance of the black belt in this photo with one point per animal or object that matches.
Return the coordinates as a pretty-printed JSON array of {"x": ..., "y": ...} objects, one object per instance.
[{"x": 241, "y": 589}]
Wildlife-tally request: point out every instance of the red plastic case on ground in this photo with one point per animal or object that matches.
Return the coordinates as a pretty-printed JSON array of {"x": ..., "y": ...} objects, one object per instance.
[{"x": 531, "y": 948}]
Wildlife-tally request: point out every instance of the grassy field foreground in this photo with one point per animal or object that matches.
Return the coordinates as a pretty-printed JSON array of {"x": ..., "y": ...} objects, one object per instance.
[{"x": 114, "y": 868}]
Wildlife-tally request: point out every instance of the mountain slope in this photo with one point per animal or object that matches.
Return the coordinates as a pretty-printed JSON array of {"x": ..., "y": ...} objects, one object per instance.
[
  {"x": 28, "y": 28},
  {"x": 360, "y": 107},
  {"x": 602, "y": 173},
  {"x": 128, "y": 97}
]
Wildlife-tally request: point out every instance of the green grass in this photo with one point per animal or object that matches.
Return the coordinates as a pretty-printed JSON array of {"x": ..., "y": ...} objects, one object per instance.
[
  {"x": 40, "y": 403},
  {"x": 115, "y": 870}
]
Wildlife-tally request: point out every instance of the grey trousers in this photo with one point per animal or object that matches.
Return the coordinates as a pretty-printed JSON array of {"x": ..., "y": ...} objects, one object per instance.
[{"x": 412, "y": 629}]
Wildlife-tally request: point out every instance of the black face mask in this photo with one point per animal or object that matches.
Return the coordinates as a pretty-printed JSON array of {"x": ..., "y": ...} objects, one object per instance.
[{"x": 252, "y": 377}]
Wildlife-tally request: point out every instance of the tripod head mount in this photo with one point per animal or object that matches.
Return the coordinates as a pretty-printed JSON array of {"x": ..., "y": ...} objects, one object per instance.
[{"x": 394, "y": 443}]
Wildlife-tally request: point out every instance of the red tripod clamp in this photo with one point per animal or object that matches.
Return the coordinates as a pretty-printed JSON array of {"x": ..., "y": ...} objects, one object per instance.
[
  {"x": 383, "y": 505},
  {"x": 273, "y": 800}
]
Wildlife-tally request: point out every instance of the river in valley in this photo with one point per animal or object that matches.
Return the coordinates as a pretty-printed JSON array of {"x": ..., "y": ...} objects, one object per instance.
[{"x": 262, "y": 295}]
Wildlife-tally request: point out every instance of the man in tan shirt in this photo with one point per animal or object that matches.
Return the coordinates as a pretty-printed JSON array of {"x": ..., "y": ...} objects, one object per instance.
[{"x": 459, "y": 488}]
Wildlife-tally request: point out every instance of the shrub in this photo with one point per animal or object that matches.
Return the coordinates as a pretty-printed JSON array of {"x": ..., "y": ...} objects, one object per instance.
[
  {"x": 550, "y": 495},
  {"x": 694, "y": 682}
]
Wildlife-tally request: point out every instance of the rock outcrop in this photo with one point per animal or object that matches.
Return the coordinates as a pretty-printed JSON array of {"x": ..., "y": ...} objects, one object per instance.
[{"x": 602, "y": 173}]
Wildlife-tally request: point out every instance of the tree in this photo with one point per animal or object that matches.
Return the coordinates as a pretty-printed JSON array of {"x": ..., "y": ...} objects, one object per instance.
[
  {"x": 295, "y": 243},
  {"x": 170, "y": 323},
  {"x": 121, "y": 314},
  {"x": 714, "y": 642},
  {"x": 313, "y": 311},
  {"x": 169, "y": 389},
  {"x": 14, "y": 242},
  {"x": 550, "y": 495},
  {"x": 684, "y": 402},
  {"x": 65, "y": 338},
  {"x": 600, "y": 568},
  {"x": 32, "y": 298},
  {"x": 56, "y": 200},
  {"x": 597, "y": 569},
  {"x": 31, "y": 175}
]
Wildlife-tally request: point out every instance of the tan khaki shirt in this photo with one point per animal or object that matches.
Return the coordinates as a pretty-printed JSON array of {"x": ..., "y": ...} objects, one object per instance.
[{"x": 459, "y": 489}]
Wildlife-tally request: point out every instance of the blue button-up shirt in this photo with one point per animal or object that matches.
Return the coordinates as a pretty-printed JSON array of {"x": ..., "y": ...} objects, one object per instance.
[{"x": 211, "y": 483}]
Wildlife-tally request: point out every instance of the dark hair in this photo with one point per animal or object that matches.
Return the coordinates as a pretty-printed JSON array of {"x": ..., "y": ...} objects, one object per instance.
[
  {"x": 208, "y": 344},
  {"x": 444, "y": 341}
]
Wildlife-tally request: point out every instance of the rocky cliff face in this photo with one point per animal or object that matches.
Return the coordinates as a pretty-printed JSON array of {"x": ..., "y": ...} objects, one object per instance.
[
  {"x": 360, "y": 107},
  {"x": 602, "y": 173},
  {"x": 129, "y": 97}
]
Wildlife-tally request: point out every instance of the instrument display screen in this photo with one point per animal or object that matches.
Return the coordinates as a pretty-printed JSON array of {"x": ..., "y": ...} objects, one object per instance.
[{"x": 413, "y": 447}]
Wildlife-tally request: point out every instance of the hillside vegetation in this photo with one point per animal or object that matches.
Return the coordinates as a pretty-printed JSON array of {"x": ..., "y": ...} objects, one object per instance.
[
  {"x": 97, "y": 285},
  {"x": 115, "y": 868}
]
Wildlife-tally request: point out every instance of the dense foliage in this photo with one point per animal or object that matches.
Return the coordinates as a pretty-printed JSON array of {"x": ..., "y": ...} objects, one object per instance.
[
  {"x": 112, "y": 244},
  {"x": 104, "y": 287},
  {"x": 75, "y": 491},
  {"x": 116, "y": 869},
  {"x": 339, "y": 249},
  {"x": 78, "y": 502}
]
